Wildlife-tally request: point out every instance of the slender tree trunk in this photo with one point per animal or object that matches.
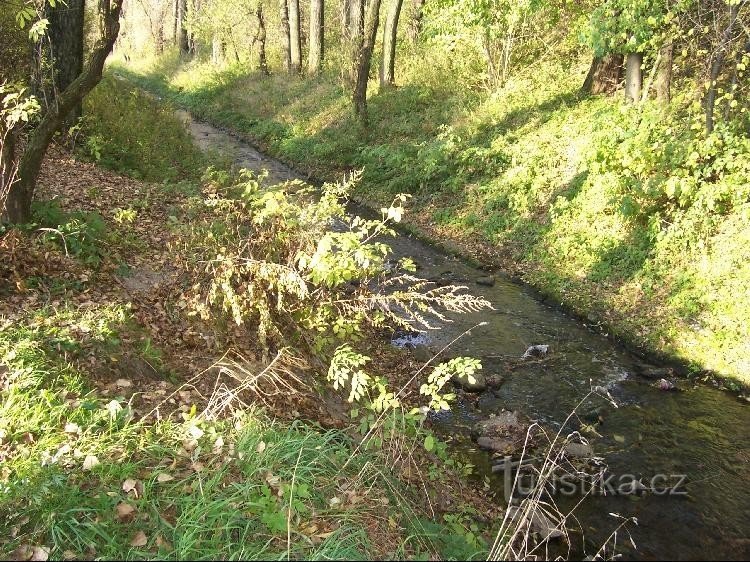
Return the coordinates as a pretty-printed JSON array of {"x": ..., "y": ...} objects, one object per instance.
[
  {"x": 664, "y": 74},
  {"x": 260, "y": 37},
  {"x": 217, "y": 50},
  {"x": 388, "y": 62},
  {"x": 604, "y": 75},
  {"x": 716, "y": 65},
  {"x": 295, "y": 37},
  {"x": 364, "y": 59},
  {"x": 356, "y": 36},
  {"x": 345, "y": 19},
  {"x": 65, "y": 33},
  {"x": 193, "y": 45},
  {"x": 176, "y": 23},
  {"x": 633, "y": 77},
  {"x": 21, "y": 194},
  {"x": 317, "y": 37},
  {"x": 286, "y": 38},
  {"x": 415, "y": 21},
  {"x": 184, "y": 39}
]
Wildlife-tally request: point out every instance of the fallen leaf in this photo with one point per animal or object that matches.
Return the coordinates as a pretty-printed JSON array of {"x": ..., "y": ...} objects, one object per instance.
[
  {"x": 90, "y": 462},
  {"x": 163, "y": 543},
  {"x": 125, "y": 511},
  {"x": 40, "y": 553},
  {"x": 139, "y": 539},
  {"x": 132, "y": 485},
  {"x": 73, "y": 428},
  {"x": 129, "y": 485},
  {"x": 261, "y": 447},
  {"x": 23, "y": 552},
  {"x": 164, "y": 477},
  {"x": 123, "y": 383}
]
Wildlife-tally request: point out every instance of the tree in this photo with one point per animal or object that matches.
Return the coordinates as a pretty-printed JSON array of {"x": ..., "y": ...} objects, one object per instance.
[
  {"x": 364, "y": 58},
  {"x": 388, "y": 61},
  {"x": 260, "y": 38},
  {"x": 285, "y": 35},
  {"x": 295, "y": 38},
  {"x": 65, "y": 42},
  {"x": 29, "y": 161},
  {"x": 317, "y": 37},
  {"x": 604, "y": 76},
  {"x": 415, "y": 21},
  {"x": 633, "y": 76},
  {"x": 717, "y": 64},
  {"x": 355, "y": 35},
  {"x": 183, "y": 36},
  {"x": 664, "y": 73}
]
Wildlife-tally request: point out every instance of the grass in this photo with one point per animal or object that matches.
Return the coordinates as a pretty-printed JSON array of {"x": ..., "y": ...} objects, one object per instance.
[
  {"x": 575, "y": 195},
  {"x": 82, "y": 478},
  {"x": 105, "y": 453}
]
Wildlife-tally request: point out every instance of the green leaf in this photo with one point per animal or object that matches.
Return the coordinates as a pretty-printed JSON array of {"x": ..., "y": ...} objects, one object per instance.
[{"x": 429, "y": 443}]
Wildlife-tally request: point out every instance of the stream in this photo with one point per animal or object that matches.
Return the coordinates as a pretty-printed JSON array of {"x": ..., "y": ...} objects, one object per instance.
[{"x": 700, "y": 432}]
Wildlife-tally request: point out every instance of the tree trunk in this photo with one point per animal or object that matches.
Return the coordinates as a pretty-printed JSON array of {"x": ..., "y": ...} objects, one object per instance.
[
  {"x": 356, "y": 36},
  {"x": 604, "y": 75},
  {"x": 388, "y": 62},
  {"x": 286, "y": 39},
  {"x": 346, "y": 10},
  {"x": 415, "y": 22},
  {"x": 295, "y": 39},
  {"x": 184, "y": 39},
  {"x": 664, "y": 74},
  {"x": 633, "y": 77},
  {"x": 65, "y": 33},
  {"x": 218, "y": 50},
  {"x": 18, "y": 204},
  {"x": 359, "y": 97},
  {"x": 317, "y": 37},
  {"x": 175, "y": 22},
  {"x": 716, "y": 65},
  {"x": 260, "y": 37},
  {"x": 193, "y": 44}
]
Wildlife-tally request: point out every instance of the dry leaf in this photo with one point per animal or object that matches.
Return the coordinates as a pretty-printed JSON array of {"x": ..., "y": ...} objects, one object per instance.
[
  {"x": 73, "y": 428},
  {"x": 123, "y": 383},
  {"x": 164, "y": 477},
  {"x": 133, "y": 485},
  {"x": 261, "y": 447},
  {"x": 139, "y": 539},
  {"x": 90, "y": 462},
  {"x": 163, "y": 543},
  {"x": 125, "y": 511},
  {"x": 128, "y": 485},
  {"x": 23, "y": 552}
]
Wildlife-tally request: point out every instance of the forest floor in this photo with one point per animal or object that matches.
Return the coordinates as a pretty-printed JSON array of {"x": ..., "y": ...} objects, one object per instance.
[{"x": 113, "y": 444}]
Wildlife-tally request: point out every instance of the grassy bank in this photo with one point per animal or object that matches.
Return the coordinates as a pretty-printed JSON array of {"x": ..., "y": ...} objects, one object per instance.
[
  {"x": 627, "y": 215},
  {"x": 119, "y": 440}
]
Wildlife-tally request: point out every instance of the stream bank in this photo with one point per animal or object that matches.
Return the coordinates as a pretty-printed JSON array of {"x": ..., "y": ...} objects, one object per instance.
[{"x": 699, "y": 432}]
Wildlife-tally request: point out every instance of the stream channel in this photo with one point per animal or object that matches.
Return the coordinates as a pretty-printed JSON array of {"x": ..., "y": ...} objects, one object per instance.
[{"x": 700, "y": 432}]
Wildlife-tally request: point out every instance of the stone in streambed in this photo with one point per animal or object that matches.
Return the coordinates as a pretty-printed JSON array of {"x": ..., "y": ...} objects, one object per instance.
[
  {"x": 495, "y": 381},
  {"x": 579, "y": 450},
  {"x": 496, "y": 445},
  {"x": 476, "y": 382},
  {"x": 651, "y": 371}
]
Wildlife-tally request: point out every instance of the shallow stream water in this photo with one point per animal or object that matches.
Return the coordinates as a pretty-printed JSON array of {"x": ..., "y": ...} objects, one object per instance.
[{"x": 699, "y": 432}]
